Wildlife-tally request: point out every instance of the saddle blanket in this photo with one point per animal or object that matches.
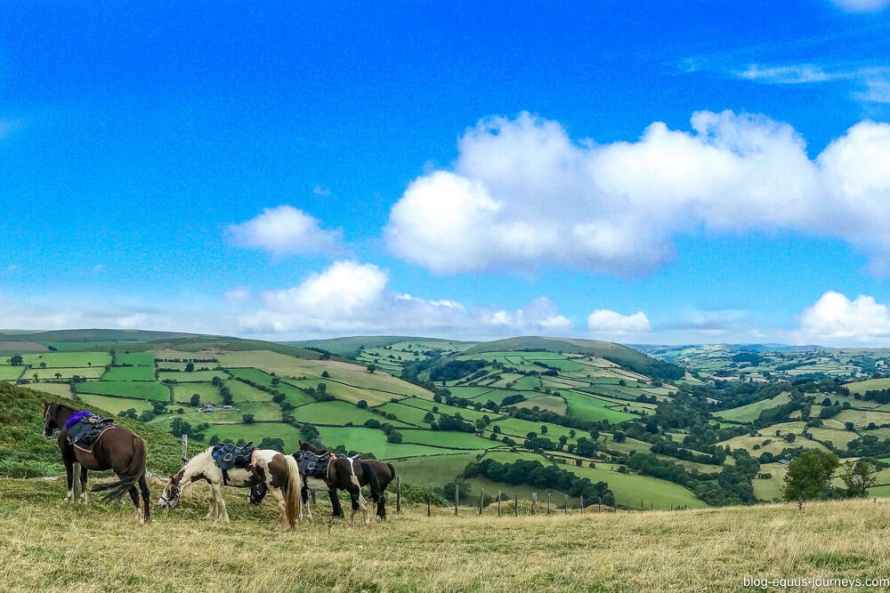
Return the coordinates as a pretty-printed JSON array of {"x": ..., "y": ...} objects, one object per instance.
[
  {"x": 85, "y": 428},
  {"x": 312, "y": 465},
  {"x": 227, "y": 455}
]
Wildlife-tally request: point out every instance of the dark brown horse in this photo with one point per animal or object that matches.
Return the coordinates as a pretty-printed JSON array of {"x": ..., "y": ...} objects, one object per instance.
[
  {"x": 350, "y": 474},
  {"x": 118, "y": 449}
]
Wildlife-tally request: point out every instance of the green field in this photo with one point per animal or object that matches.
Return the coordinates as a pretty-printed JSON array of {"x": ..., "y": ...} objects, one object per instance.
[
  {"x": 10, "y": 373},
  {"x": 68, "y": 359},
  {"x": 130, "y": 373},
  {"x": 114, "y": 404},
  {"x": 550, "y": 403},
  {"x": 193, "y": 377},
  {"x": 448, "y": 439},
  {"x": 183, "y": 392},
  {"x": 366, "y": 439},
  {"x": 751, "y": 412},
  {"x": 593, "y": 409},
  {"x": 631, "y": 489},
  {"x": 50, "y": 373},
  {"x": 139, "y": 359},
  {"x": 868, "y": 385},
  {"x": 337, "y": 413},
  {"x": 132, "y": 389}
]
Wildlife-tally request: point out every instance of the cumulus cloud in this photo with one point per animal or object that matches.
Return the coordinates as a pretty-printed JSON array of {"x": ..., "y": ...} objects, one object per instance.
[
  {"x": 352, "y": 297},
  {"x": 835, "y": 319},
  {"x": 603, "y": 321},
  {"x": 522, "y": 194},
  {"x": 285, "y": 230}
]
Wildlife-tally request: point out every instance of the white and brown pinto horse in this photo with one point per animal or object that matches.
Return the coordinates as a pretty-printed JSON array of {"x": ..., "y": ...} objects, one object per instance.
[{"x": 279, "y": 473}]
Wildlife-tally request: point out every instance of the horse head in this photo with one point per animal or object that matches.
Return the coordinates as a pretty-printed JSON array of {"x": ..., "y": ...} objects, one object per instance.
[
  {"x": 50, "y": 424},
  {"x": 172, "y": 491}
]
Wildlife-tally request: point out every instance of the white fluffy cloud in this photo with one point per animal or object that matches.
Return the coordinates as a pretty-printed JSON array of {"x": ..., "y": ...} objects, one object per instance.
[
  {"x": 522, "y": 194},
  {"x": 286, "y": 230},
  {"x": 352, "y": 297},
  {"x": 610, "y": 323},
  {"x": 837, "y": 320}
]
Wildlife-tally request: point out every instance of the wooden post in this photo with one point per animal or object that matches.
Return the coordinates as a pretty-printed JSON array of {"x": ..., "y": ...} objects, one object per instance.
[
  {"x": 582, "y": 505},
  {"x": 429, "y": 501},
  {"x": 516, "y": 506},
  {"x": 456, "y": 497},
  {"x": 398, "y": 494},
  {"x": 534, "y": 501},
  {"x": 499, "y": 503},
  {"x": 548, "y": 503},
  {"x": 75, "y": 481},
  {"x": 566, "y": 506},
  {"x": 481, "y": 500},
  {"x": 185, "y": 448},
  {"x": 599, "y": 508}
]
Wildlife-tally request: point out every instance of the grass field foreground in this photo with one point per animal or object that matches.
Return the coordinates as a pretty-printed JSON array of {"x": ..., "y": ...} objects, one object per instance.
[{"x": 703, "y": 550}]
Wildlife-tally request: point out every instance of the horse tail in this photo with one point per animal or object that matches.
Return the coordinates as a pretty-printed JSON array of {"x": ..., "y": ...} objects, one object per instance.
[
  {"x": 392, "y": 472},
  {"x": 373, "y": 481},
  {"x": 129, "y": 477},
  {"x": 293, "y": 502}
]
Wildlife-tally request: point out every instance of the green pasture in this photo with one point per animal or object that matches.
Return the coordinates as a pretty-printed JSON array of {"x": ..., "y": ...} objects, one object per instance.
[
  {"x": 242, "y": 392},
  {"x": 750, "y": 412},
  {"x": 448, "y": 439},
  {"x": 374, "y": 441},
  {"x": 550, "y": 403},
  {"x": 527, "y": 383},
  {"x": 193, "y": 377},
  {"x": 468, "y": 414},
  {"x": 182, "y": 393},
  {"x": 261, "y": 411},
  {"x": 346, "y": 392},
  {"x": 520, "y": 428},
  {"x": 438, "y": 471},
  {"x": 64, "y": 373},
  {"x": 181, "y": 366},
  {"x": 68, "y": 359},
  {"x": 630, "y": 489},
  {"x": 254, "y": 432},
  {"x": 593, "y": 409},
  {"x": 139, "y": 359},
  {"x": 408, "y": 414},
  {"x": 628, "y": 447},
  {"x": 863, "y": 418},
  {"x": 839, "y": 438},
  {"x": 10, "y": 373},
  {"x": 59, "y": 389},
  {"x": 771, "y": 488},
  {"x": 498, "y": 395},
  {"x": 132, "y": 389},
  {"x": 116, "y": 405},
  {"x": 471, "y": 392},
  {"x": 868, "y": 385},
  {"x": 338, "y": 413},
  {"x": 130, "y": 373}
]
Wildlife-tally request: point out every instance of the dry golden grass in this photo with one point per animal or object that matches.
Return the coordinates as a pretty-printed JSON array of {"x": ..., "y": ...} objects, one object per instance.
[{"x": 48, "y": 545}]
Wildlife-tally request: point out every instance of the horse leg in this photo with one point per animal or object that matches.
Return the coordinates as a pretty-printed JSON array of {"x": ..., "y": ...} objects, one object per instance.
[
  {"x": 134, "y": 496},
  {"x": 279, "y": 497},
  {"x": 358, "y": 502},
  {"x": 222, "y": 513},
  {"x": 69, "y": 472},
  {"x": 143, "y": 487},
  {"x": 215, "y": 495},
  {"x": 381, "y": 507},
  {"x": 83, "y": 485},
  {"x": 336, "y": 509}
]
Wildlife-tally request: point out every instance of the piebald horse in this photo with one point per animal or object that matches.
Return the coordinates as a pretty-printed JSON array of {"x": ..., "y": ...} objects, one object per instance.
[
  {"x": 119, "y": 449},
  {"x": 277, "y": 472}
]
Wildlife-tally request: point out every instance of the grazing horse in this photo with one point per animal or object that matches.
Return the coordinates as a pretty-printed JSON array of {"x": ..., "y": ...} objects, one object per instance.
[
  {"x": 350, "y": 474},
  {"x": 118, "y": 449},
  {"x": 269, "y": 469}
]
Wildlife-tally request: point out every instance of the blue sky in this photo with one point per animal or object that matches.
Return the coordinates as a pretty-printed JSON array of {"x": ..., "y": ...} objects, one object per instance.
[{"x": 641, "y": 172}]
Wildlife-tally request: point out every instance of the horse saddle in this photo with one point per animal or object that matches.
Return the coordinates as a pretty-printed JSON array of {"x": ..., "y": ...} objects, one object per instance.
[
  {"x": 312, "y": 465},
  {"x": 227, "y": 455},
  {"x": 86, "y": 430}
]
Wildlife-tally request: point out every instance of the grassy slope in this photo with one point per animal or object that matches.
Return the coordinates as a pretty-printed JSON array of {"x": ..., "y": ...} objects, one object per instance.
[
  {"x": 702, "y": 550},
  {"x": 23, "y": 448}
]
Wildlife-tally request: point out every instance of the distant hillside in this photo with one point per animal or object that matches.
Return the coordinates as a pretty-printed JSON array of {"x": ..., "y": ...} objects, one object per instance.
[
  {"x": 622, "y": 355},
  {"x": 351, "y": 347}
]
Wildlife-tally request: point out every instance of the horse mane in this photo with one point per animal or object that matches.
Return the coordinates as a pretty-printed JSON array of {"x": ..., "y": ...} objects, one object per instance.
[{"x": 306, "y": 446}]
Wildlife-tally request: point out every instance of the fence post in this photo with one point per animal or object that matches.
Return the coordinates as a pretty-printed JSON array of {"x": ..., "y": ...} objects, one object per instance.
[
  {"x": 481, "y": 500},
  {"x": 548, "y": 503},
  {"x": 534, "y": 501},
  {"x": 398, "y": 494},
  {"x": 429, "y": 501},
  {"x": 499, "y": 503},
  {"x": 582, "y": 505},
  {"x": 185, "y": 448},
  {"x": 516, "y": 506},
  {"x": 456, "y": 497},
  {"x": 599, "y": 509},
  {"x": 566, "y": 506}
]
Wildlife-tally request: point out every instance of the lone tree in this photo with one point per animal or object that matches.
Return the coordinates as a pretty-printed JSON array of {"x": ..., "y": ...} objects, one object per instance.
[
  {"x": 17, "y": 360},
  {"x": 858, "y": 477},
  {"x": 195, "y": 400},
  {"x": 809, "y": 475},
  {"x": 371, "y": 368}
]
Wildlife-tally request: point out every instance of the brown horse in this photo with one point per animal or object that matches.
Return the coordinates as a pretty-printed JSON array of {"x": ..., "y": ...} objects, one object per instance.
[
  {"x": 118, "y": 449},
  {"x": 350, "y": 474}
]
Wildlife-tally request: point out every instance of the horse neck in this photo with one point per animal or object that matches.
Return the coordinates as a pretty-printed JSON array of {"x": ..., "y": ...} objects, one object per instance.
[
  {"x": 63, "y": 413},
  {"x": 196, "y": 465},
  {"x": 310, "y": 447}
]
